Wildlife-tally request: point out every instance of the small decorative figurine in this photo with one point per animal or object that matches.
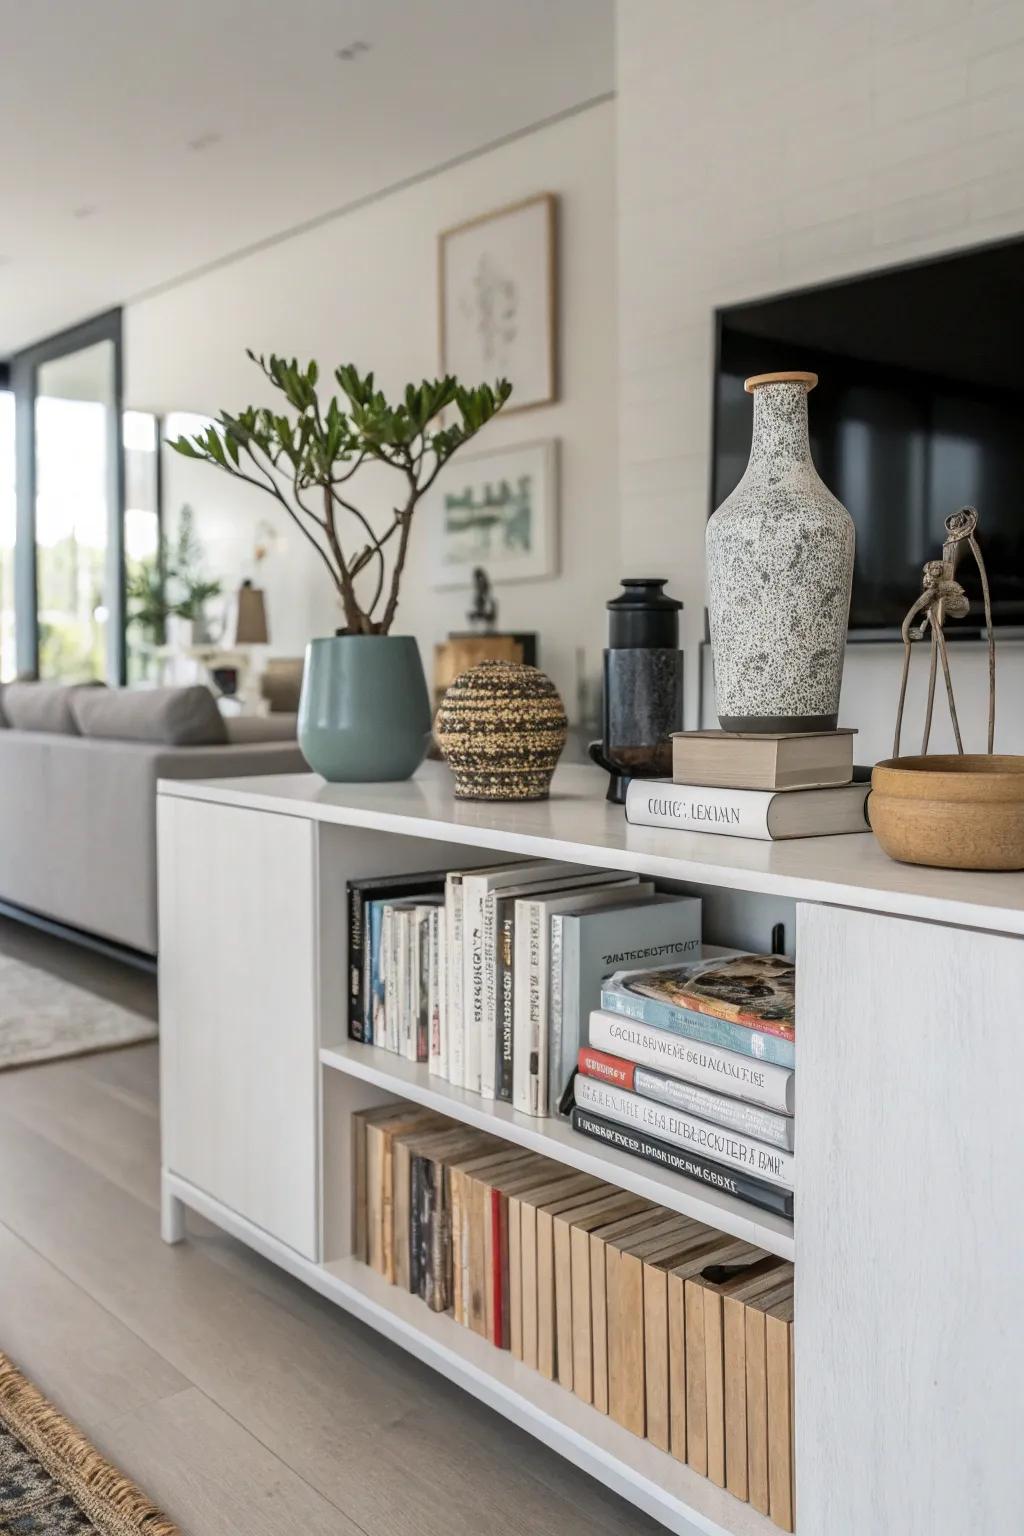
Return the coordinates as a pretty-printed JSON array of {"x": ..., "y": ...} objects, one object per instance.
[
  {"x": 944, "y": 598},
  {"x": 501, "y": 728},
  {"x": 955, "y": 810},
  {"x": 483, "y": 616}
]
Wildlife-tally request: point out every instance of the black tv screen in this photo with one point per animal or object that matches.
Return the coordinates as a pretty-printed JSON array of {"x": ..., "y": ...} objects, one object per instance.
[{"x": 919, "y": 410}]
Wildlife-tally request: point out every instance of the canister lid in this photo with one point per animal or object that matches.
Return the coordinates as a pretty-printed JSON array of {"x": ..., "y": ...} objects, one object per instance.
[{"x": 643, "y": 615}]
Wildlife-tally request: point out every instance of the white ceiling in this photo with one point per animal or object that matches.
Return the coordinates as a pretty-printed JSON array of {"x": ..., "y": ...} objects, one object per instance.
[{"x": 141, "y": 141}]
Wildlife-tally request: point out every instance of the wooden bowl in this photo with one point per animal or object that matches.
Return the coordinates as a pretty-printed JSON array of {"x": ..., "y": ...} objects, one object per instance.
[{"x": 950, "y": 812}]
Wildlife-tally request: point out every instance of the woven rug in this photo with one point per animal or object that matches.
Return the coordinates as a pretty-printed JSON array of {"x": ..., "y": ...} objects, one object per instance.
[
  {"x": 53, "y": 1482},
  {"x": 43, "y": 1018}
]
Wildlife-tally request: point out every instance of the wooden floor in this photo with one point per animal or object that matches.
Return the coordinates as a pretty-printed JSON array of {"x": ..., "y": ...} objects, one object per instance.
[{"x": 238, "y": 1399}]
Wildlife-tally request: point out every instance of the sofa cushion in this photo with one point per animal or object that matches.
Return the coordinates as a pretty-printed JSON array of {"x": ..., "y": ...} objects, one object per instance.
[
  {"x": 173, "y": 717},
  {"x": 249, "y": 728},
  {"x": 46, "y": 707}
]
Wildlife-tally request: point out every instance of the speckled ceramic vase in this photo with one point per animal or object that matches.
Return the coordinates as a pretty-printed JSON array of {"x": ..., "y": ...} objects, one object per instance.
[
  {"x": 501, "y": 727},
  {"x": 779, "y": 567}
]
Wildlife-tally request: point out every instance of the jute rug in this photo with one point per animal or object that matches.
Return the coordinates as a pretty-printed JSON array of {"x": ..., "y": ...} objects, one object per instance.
[
  {"x": 43, "y": 1018},
  {"x": 53, "y": 1482}
]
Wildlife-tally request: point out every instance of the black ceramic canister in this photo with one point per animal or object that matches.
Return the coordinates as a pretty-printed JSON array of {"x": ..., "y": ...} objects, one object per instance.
[{"x": 643, "y": 685}]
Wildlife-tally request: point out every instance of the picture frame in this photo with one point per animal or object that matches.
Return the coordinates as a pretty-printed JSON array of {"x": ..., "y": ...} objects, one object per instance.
[
  {"x": 498, "y": 300},
  {"x": 498, "y": 510}
]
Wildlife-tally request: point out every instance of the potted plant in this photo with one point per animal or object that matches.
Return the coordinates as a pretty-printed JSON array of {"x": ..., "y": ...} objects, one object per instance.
[
  {"x": 167, "y": 592},
  {"x": 364, "y": 712}
]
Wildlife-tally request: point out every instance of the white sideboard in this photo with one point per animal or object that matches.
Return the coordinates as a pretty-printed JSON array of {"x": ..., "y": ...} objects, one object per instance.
[{"x": 908, "y": 1237}]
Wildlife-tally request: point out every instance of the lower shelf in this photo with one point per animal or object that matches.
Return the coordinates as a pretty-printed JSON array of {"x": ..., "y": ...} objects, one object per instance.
[
  {"x": 555, "y": 1138},
  {"x": 670, "y": 1492}
]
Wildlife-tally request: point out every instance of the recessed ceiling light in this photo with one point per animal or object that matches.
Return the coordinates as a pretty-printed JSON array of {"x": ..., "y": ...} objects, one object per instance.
[
  {"x": 204, "y": 141},
  {"x": 84, "y": 211},
  {"x": 352, "y": 51}
]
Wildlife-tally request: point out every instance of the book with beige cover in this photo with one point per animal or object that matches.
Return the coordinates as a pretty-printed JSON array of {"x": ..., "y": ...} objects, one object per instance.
[{"x": 776, "y": 760}]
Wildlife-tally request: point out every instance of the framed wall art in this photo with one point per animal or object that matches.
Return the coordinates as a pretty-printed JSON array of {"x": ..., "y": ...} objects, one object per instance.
[
  {"x": 498, "y": 510},
  {"x": 499, "y": 302}
]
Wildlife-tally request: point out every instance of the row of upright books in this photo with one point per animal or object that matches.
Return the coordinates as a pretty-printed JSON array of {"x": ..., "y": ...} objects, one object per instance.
[
  {"x": 677, "y": 1332},
  {"x": 527, "y": 983},
  {"x": 488, "y": 975}
]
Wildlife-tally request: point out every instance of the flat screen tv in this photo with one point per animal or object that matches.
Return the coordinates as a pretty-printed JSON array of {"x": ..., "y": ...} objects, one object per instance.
[{"x": 919, "y": 410}]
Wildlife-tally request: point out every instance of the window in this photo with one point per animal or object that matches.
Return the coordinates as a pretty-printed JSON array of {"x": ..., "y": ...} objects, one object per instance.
[
  {"x": 68, "y": 574},
  {"x": 8, "y": 528}
]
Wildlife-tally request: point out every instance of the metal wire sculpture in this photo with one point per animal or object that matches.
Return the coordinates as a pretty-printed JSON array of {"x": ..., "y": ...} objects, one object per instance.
[{"x": 944, "y": 598}]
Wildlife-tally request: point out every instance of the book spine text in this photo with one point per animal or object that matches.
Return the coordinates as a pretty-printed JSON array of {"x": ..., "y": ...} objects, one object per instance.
[
  {"x": 628, "y": 1139},
  {"x": 725, "y": 1033},
  {"x": 717, "y": 1142}
]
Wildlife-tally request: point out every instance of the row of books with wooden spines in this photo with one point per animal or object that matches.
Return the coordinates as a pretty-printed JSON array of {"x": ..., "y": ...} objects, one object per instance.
[{"x": 678, "y": 1332}]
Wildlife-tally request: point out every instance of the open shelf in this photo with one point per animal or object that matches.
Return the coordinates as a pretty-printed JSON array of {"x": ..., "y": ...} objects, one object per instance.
[
  {"x": 555, "y": 1138},
  {"x": 666, "y": 1488}
]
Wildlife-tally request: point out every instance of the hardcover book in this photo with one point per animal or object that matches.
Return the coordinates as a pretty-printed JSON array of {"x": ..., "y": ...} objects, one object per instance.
[
  {"x": 714, "y": 1141},
  {"x": 748, "y": 1119},
  {"x": 774, "y": 760},
  {"x": 743, "y": 1003},
  {"x": 707, "y": 1066},
  {"x": 499, "y": 951},
  {"x": 594, "y": 945},
  {"x": 478, "y": 954},
  {"x": 764, "y": 814},
  {"x": 684, "y": 1162},
  {"x": 360, "y": 894},
  {"x": 528, "y": 992}
]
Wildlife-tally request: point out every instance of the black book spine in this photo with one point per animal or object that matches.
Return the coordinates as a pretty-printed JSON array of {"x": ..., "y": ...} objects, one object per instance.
[
  {"x": 415, "y": 1180},
  {"x": 355, "y": 962},
  {"x": 505, "y": 1001},
  {"x": 690, "y": 1166},
  {"x": 359, "y": 893},
  {"x": 426, "y": 1233}
]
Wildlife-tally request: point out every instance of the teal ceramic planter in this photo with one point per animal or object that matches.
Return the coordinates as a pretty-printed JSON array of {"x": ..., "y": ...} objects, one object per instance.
[{"x": 364, "y": 712}]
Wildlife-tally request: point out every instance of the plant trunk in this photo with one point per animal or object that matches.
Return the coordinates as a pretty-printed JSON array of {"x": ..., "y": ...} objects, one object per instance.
[
  {"x": 396, "y": 575},
  {"x": 354, "y": 618}
]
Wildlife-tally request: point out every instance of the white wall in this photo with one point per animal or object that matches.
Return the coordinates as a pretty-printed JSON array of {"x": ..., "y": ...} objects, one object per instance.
[
  {"x": 364, "y": 288},
  {"x": 768, "y": 144}
]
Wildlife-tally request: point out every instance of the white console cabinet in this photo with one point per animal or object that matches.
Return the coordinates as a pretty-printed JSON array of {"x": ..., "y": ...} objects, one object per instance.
[{"x": 908, "y": 1239}]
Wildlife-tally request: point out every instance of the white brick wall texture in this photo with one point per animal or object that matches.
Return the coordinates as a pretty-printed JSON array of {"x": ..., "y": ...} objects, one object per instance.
[{"x": 765, "y": 145}]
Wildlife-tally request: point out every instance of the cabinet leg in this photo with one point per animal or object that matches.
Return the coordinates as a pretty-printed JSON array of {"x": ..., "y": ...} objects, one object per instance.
[{"x": 172, "y": 1216}]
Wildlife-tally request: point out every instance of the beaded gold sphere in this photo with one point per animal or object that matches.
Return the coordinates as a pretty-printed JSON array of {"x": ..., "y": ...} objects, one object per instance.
[{"x": 501, "y": 727}]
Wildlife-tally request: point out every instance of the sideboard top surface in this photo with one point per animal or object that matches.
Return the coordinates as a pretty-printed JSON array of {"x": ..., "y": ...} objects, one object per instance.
[{"x": 578, "y": 824}]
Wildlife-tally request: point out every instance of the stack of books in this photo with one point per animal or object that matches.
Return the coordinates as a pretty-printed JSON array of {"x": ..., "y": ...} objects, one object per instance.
[
  {"x": 487, "y": 976},
  {"x": 693, "y": 1067},
  {"x": 798, "y": 784},
  {"x": 677, "y": 1332}
]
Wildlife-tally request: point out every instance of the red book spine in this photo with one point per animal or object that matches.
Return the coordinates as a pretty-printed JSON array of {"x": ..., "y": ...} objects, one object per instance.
[{"x": 610, "y": 1069}]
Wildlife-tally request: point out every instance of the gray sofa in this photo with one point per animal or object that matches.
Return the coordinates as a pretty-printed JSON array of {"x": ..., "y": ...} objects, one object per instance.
[{"x": 78, "y": 772}]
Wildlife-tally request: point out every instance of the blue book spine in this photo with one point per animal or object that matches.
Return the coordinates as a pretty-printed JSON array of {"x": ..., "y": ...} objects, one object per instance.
[
  {"x": 700, "y": 1026},
  {"x": 372, "y": 1032}
]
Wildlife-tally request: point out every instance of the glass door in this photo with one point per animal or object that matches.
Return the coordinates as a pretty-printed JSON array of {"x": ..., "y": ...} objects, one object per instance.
[
  {"x": 69, "y": 461},
  {"x": 77, "y": 574},
  {"x": 8, "y": 532}
]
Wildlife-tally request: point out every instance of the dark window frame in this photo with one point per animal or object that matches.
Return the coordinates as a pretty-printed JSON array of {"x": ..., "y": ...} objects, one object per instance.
[{"x": 24, "y": 372}]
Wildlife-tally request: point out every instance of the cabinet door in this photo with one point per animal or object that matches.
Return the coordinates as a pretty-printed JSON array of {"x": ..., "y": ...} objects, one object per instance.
[
  {"x": 909, "y": 1255},
  {"x": 238, "y": 1053}
]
